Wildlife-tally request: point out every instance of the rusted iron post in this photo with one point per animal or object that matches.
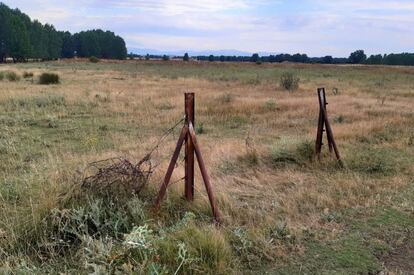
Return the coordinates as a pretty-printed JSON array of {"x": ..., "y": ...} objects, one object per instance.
[
  {"x": 161, "y": 194},
  {"x": 319, "y": 135},
  {"x": 329, "y": 133},
  {"x": 325, "y": 104},
  {"x": 204, "y": 174},
  {"x": 323, "y": 122},
  {"x": 189, "y": 148},
  {"x": 188, "y": 136}
]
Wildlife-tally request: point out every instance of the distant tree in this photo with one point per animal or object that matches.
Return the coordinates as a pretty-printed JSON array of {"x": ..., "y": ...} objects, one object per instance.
[
  {"x": 327, "y": 59},
  {"x": 299, "y": 58},
  {"x": 165, "y": 57},
  {"x": 211, "y": 58},
  {"x": 2, "y": 51},
  {"x": 357, "y": 57},
  {"x": 222, "y": 58},
  {"x": 186, "y": 57},
  {"x": 374, "y": 59},
  {"x": 21, "y": 38},
  {"x": 68, "y": 45},
  {"x": 255, "y": 58}
]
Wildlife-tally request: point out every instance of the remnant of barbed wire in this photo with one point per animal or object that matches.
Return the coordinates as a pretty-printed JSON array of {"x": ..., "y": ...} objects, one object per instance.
[
  {"x": 118, "y": 173},
  {"x": 164, "y": 136}
]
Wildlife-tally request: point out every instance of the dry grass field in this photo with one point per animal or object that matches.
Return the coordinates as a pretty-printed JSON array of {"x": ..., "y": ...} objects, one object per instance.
[{"x": 283, "y": 211}]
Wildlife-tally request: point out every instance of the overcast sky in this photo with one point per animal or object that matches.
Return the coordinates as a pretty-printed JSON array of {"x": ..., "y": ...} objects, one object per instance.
[{"x": 315, "y": 27}]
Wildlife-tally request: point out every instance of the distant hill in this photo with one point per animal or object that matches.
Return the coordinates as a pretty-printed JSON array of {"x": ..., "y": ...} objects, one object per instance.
[{"x": 23, "y": 39}]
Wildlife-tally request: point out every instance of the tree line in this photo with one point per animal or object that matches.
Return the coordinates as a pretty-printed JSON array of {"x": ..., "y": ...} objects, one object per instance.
[
  {"x": 22, "y": 39},
  {"x": 357, "y": 57}
]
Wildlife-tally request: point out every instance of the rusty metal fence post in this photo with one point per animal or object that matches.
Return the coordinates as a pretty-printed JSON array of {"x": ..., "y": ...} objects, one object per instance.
[
  {"x": 325, "y": 126},
  {"x": 189, "y": 147},
  {"x": 188, "y": 136}
]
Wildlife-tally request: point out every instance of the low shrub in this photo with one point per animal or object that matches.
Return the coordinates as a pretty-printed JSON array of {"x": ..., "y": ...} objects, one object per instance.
[
  {"x": 12, "y": 76},
  {"x": 289, "y": 81},
  {"x": 27, "y": 74},
  {"x": 1, "y": 76},
  {"x": 94, "y": 59},
  {"x": 49, "y": 78}
]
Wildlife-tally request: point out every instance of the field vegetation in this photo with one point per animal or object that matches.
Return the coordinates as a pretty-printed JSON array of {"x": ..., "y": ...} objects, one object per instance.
[{"x": 283, "y": 211}]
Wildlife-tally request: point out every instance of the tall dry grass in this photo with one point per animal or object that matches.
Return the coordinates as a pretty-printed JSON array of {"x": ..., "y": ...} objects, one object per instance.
[{"x": 50, "y": 134}]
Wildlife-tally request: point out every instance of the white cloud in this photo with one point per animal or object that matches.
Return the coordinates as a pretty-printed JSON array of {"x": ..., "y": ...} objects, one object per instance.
[{"x": 313, "y": 26}]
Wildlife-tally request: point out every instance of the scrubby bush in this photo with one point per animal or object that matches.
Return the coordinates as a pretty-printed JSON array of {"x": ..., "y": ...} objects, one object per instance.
[
  {"x": 94, "y": 59},
  {"x": 27, "y": 74},
  {"x": 1, "y": 76},
  {"x": 12, "y": 76},
  {"x": 49, "y": 78},
  {"x": 289, "y": 81}
]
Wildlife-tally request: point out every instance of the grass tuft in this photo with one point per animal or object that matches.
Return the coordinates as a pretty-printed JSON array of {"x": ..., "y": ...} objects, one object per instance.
[
  {"x": 374, "y": 161},
  {"x": 292, "y": 152},
  {"x": 11, "y": 76},
  {"x": 49, "y": 78},
  {"x": 289, "y": 81},
  {"x": 94, "y": 59},
  {"x": 27, "y": 74}
]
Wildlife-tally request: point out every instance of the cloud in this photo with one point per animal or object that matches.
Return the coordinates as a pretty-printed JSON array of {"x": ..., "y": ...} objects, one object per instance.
[
  {"x": 316, "y": 27},
  {"x": 176, "y": 7}
]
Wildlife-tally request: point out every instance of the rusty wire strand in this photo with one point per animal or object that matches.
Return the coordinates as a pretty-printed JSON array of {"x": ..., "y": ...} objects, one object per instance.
[{"x": 120, "y": 172}]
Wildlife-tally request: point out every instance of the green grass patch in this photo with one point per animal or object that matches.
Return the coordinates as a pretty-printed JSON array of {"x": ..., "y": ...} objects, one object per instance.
[
  {"x": 291, "y": 151},
  {"x": 376, "y": 161}
]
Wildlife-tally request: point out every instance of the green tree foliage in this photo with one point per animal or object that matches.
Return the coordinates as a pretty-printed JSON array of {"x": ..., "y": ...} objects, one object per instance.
[
  {"x": 23, "y": 39},
  {"x": 328, "y": 59},
  {"x": 100, "y": 44},
  {"x": 255, "y": 57},
  {"x": 357, "y": 57},
  {"x": 374, "y": 59},
  {"x": 186, "y": 57}
]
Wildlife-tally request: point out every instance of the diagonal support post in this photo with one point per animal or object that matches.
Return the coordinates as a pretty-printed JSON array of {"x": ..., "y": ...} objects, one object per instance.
[
  {"x": 170, "y": 170},
  {"x": 192, "y": 148},
  {"x": 325, "y": 126},
  {"x": 204, "y": 174}
]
